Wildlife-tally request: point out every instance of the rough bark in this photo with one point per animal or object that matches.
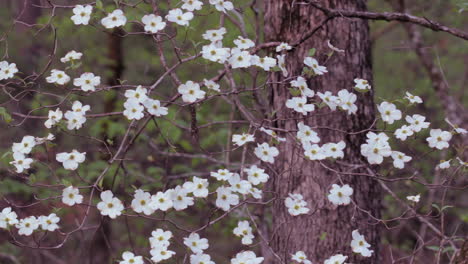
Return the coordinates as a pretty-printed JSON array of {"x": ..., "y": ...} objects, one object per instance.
[{"x": 328, "y": 230}]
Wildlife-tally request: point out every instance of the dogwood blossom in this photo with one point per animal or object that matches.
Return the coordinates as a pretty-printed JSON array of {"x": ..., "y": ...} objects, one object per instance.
[
  {"x": 404, "y": 132},
  {"x": 7, "y": 70},
  {"x": 160, "y": 238},
  {"x": 445, "y": 164},
  {"x": 417, "y": 122},
  {"x": 141, "y": 202},
  {"x": 71, "y": 196},
  {"x": 214, "y": 53},
  {"x": 272, "y": 134},
  {"x": 71, "y": 56},
  {"x": 75, "y": 120},
  {"x": 115, "y": 19},
  {"x": 455, "y": 127},
  {"x": 53, "y": 118},
  {"x": 211, "y": 85},
  {"x": 414, "y": 99},
  {"x": 27, "y": 226},
  {"x": 334, "y": 150},
  {"x": 239, "y": 185},
  {"x": 222, "y": 5},
  {"x": 389, "y": 112},
  {"x": 162, "y": 200},
  {"x": 87, "y": 81},
  {"x": 58, "y": 77},
  {"x": 296, "y": 205},
  {"x": 42, "y": 140},
  {"x": 201, "y": 259},
  {"x": 313, "y": 64},
  {"x": 180, "y": 198},
  {"x": 243, "y": 43},
  {"x": 336, "y": 259},
  {"x": 361, "y": 84},
  {"x": 154, "y": 107},
  {"x": 78, "y": 107},
  {"x": 222, "y": 174},
  {"x": 346, "y": 101},
  {"x": 306, "y": 134},
  {"x": 283, "y": 46},
  {"x": 246, "y": 257},
  {"x": 179, "y": 17},
  {"x": 139, "y": 94},
  {"x": 195, "y": 243},
  {"x": 214, "y": 35},
  {"x": 25, "y": 146},
  {"x": 282, "y": 64},
  {"x": 8, "y": 218},
  {"x": 225, "y": 198},
  {"x": 130, "y": 258},
  {"x": 244, "y": 231},
  {"x": 160, "y": 254},
  {"x": 153, "y": 23},
  {"x": 300, "y": 105},
  {"x": 82, "y": 14},
  {"x": 71, "y": 160},
  {"x": 198, "y": 187},
  {"x": 256, "y": 175},
  {"x": 359, "y": 244},
  {"x": 241, "y": 139},
  {"x": 49, "y": 223},
  {"x": 330, "y": 100},
  {"x": 192, "y": 5},
  {"x": 300, "y": 257},
  {"x": 314, "y": 151},
  {"x": 439, "y": 139},
  {"x": 376, "y": 148},
  {"x": 340, "y": 195},
  {"x": 266, "y": 63},
  {"x": 414, "y": 198},
  {"x": 266, "y": 153},
  {"x": 133, "y": 109},
  {"x": 21, "y": 162},
  {"x": 190, "y": 92},
  {"x": 240, "y": 58},
  {"x": 399, "y": 159},
  {"x": 301, "y": 84},
  {"x": 110, "y": 205}
]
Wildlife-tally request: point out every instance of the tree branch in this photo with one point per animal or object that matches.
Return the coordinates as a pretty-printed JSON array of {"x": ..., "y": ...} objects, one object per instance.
[{"x": 387, "y": 16}]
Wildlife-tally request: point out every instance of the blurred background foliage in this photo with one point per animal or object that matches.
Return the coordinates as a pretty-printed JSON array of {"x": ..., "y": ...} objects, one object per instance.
[{"x": 396, "y": 70}]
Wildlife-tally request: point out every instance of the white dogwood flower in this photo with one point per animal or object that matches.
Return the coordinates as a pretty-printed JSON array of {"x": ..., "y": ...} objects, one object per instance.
[
  {"x": 110, "y": 205},
  {"x": 179, "y": 17},
  {"x": 190, "y": 92},
  {"x": 153, "y": 23},
  {"x": 71, "y": 196},
  {"x": 81, "y": 14},
  {"x": 87, "y": 82},
  {"x": 115, "y": 19},
  {"x": 58, "y": 77},
  {"x": 266, "y": 152},
  {"x": 340, "y": 195},
  {"x": 71, "y": 160}
]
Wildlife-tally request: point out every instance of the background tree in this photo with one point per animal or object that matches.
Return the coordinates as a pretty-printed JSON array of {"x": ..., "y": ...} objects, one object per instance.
[{"x": 326, "y": 229}]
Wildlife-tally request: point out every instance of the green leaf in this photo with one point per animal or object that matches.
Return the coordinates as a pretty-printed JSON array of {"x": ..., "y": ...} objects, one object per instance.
[
  {"x": 312, "y": 52},
  {"x": 66, "y": 182},
  {"x": 323, "y": 236},
  {"x": 434, "y": 248},
  {"x": 5, "y": 115},
  {"x": 32, "y": 178},
  {"x": 99, "y": 4}
]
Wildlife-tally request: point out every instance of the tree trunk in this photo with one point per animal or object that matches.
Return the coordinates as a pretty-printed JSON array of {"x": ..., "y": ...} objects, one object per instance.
[{"x": 327, "y": 231}]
